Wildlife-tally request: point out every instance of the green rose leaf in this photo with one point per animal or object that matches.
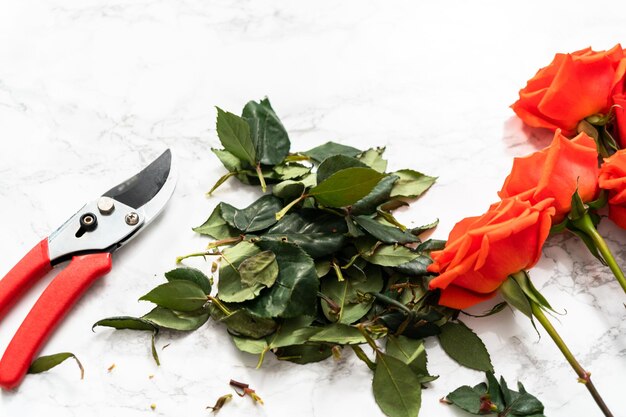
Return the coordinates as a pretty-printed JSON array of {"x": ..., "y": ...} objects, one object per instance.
[
  {"x": 261, "y": 268},
  {"x": 411, "y": 183},
  {"x": 390, "y": 255},
  {"x": 411, "y": 352},
  {"x": 319, "y": 153},
  {"x": 296, "y": 331},
  {"x": 234, "y": 133},
  {"x": 418, "y": 267},
  {"x": 126, "y": 323},
  {"x": 346, "y": 187},
  {"x": 192, "y": 275},
  {"x": 177, "y": 295},
  {"x": 374, "y": 159},
  {"x": 294, "y": 293},
  {"x": 257, "y": 216},
  {"x": 431, "y": 245},
  {"x": 45, "y": 363},
  {"x": 421, "y": 229},
  {"x": 215, "y": 226},
  {"x": 464, "y": 346},
  {"x": 466, "y": 398},
  {"x": 289, "y": 171},
  {"x": 303, "y": 354},
  {"x": 383, "y": 233},
  {"x": 288, "y": 190},
  {"x": 253, "y": 346},
  {"x": 314, "y": 231},
  {"x": 379, "y": 194},
  {"x": 243, "y": 323},
  {"x": 177, "y": 320},
  {"x": 230, "y": 286},
  {"x": 268, "y": 134},
  {"x": 336, "y": 163},
  {"x": 230, "y": 161},
  {"x": 345, "y": 294},
  {"x": 338, "y": 333},
  {"x": 397, "y": 390}
]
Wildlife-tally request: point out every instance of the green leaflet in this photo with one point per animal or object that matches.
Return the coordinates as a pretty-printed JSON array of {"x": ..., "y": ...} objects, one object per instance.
[
  {"x": 215, "y": 226},
  {"x": 230, "y": 287},
  {"x": 315, "y": 232},
  {"x": 45, "y": 363},
  {"x": 268, "y": 134},
  {"x": 411, "y": 352},
  {"x": 132, "y": 323},
  {"x": 345, "y": 294},
  {"x": 383, "y": 233},
  {"x": 336, "y": 163},
  {"x": 338, "y": 333},
  {"x": 294, "y": 293},
  {"x": 261, "y": 268},
  {"x": 234, "y": 133},
  {"x": 397, "y": 390},
  {"x": 192, "y": 275},
  {"x": 411, "y": 183},
  {"x": 374, "y": 159},
  {"x": 177, "y": 320},
  {"x": 379, "y": 195},
  {"x": 390, "y": 255},
  {"x": 496, "y": 398},
  {"x": 230, "y": 161},
  {"x": 462, "y": 345},
  {"x": 306, "y": 353},
  {"x": 320, "y": 153},
  {"x": 243, "y": 323},
  {"x": 177, "y": 295},
  {"x": 346, "y": 187},
  {"x": 257, "y": 216},
  {"x": 288, "y": 190}
]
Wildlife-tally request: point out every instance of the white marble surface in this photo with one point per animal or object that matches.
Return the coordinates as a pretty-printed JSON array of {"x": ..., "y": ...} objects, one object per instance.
[{"x": 91, "y": 90}]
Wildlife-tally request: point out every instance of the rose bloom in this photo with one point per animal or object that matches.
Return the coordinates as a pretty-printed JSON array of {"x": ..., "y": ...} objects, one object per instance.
[
  {"x": 483, "y": 251},
  {"x": 613, "y": 178},
  {"x": 555, "y": 172},
  {"x": 619, "y": 107},
  {"x": 573, "y": 87}
]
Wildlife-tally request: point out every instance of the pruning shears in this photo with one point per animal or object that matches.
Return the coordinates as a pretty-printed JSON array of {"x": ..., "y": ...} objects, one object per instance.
[{"x": 87, "y": 240}]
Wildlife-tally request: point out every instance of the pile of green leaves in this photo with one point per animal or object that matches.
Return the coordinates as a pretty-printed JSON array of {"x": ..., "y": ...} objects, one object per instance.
[
  {"x": 493, "y": 398},
  {"x": 318, "y": 265}
]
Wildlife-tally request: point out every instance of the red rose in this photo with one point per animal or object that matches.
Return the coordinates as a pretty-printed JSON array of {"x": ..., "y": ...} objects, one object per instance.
[
  {"x": 483, "y": 251},
  {"x": 555, "y": 172},
  {"x": 573, "y": 87},
  {"x": 613, "y": 178}
]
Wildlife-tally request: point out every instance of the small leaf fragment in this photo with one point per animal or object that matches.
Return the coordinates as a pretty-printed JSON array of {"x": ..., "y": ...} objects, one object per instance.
[
  {"x": 221, "y": 401},
  {"x": 45, "y": 363}
]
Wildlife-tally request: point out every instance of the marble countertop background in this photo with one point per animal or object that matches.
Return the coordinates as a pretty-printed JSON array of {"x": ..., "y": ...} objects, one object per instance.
[{"x": 91, "y": 90}]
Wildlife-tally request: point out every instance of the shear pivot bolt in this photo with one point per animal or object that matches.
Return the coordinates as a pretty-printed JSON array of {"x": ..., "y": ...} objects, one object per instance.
[
  {"x": 132, "y": 218},
  {"x": 88, "y": 222},
  {"x": 106, "y": 205}
]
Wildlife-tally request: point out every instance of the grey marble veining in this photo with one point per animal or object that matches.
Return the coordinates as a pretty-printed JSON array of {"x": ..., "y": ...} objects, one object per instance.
[{"x": 90, "y": 91}]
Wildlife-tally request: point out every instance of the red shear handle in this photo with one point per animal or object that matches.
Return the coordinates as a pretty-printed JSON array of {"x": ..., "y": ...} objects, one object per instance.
[
  {"x": 54, "y": 303},
  {"x": 29, "y": 270}
]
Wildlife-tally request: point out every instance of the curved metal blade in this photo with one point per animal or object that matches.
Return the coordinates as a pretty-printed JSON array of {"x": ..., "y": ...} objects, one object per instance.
[{"x": 150, "y": 189}]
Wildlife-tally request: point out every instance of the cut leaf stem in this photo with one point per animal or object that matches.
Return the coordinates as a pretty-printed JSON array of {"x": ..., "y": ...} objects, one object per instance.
[
  {"x": 259, "y": 173},
  {"x": 583, "y": 376}
]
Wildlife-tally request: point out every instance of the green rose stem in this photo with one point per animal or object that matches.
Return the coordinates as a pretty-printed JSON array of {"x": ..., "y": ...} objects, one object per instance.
[
  {"x": 585, "y": 224},
  {"x": 211, "y": 246},
  {"x": 583, "y": 376}
]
